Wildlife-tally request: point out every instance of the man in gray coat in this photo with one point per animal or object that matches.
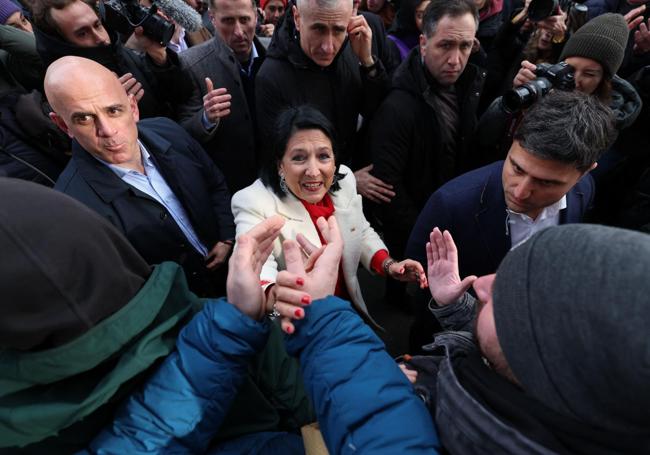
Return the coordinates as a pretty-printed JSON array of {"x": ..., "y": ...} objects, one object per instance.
[{"x": 220, "y": 112}]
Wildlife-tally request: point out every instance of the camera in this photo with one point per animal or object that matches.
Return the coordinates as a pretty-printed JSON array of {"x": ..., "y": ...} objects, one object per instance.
[
  {"x": 124, "y": 15},
  {"x": 559, "y": 76},
  {"x": 538, "y": 10}
]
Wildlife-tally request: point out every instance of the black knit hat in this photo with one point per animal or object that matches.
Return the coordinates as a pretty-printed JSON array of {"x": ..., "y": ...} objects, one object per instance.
[
  {"x": 602, "y": 39},
  {"x": 572, "y": 315}
]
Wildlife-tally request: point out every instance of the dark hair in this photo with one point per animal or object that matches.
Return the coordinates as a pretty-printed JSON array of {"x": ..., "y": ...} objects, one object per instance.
[
  {"x": 286, "y": 125},
  {"x": 438, "y": 9},
  {"x": 570, "y": 127},
  {"x": 42, "y": 15}
]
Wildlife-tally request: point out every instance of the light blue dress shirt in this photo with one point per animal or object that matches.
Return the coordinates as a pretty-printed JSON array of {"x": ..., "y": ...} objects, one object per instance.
[{"x": 153, "y": 184}]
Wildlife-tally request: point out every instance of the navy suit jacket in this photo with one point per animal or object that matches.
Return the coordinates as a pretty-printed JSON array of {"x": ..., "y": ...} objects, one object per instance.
[
  {"x": 472, "y": 208},
  {"x": 192, "y": 176}
]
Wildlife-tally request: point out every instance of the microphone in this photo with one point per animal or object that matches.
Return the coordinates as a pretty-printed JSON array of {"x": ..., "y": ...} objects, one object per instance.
[{"x": 182, "y": 13}]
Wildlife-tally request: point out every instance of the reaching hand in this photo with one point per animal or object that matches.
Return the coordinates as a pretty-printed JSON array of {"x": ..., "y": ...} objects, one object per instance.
[
  {"x": 408, "y": 270},
  {"x": 253, "y": 248},
  {"x": 442, "y": 267},
  {"x": 373, "y": 188},
  {"x": 296, "y": 286}
]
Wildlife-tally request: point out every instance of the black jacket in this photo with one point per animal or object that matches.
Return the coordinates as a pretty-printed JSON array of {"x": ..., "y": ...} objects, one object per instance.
[
  {"x": 31, "y": 146},
  {"x": 340, "y": 91},
  {"x": 197, "y": 183},
  {"x": 232, "y": 143},
  {"x": 405, "y": 141},
  {"x": 164, "y": 86}
]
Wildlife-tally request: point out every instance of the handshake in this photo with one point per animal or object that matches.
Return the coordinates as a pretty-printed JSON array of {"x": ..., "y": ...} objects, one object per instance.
[{"x": 303, "y": 281}]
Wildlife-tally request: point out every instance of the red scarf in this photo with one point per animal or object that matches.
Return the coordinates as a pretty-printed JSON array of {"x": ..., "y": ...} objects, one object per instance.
[{"x": 325, "y": 208}]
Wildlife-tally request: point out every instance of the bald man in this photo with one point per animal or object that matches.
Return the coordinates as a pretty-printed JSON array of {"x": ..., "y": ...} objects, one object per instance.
[{"x": 149, "y": 178}]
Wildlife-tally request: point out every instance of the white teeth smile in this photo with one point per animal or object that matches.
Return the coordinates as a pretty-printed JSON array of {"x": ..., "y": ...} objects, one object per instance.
[{"x": 311, "y": 186}]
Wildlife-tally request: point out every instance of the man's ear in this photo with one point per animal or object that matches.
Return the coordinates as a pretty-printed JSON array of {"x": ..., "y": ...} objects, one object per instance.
[
  {"x": 58, "y": 121},
  {"x": 476, "y": 46},
  {"x": 296, "y": 17},
  {"x": 593, "y": 166},
  {"x": 423, "y": 44},
  {"x": 135, "y": 111}
]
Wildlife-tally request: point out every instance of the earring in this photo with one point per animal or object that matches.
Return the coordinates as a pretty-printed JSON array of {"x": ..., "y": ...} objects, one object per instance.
[
  {"x": 283, "y": 184},
  {"x": 334, "y": 180}
]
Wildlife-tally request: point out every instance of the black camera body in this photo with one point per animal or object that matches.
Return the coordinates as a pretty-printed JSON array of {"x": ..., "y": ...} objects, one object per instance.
[
  {"x": 124, "y": 15},
  {"x": 559, "y": 76}
]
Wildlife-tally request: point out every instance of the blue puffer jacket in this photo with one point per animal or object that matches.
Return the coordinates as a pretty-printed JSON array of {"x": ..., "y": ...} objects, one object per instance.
[{"x": 364, "y": 403}]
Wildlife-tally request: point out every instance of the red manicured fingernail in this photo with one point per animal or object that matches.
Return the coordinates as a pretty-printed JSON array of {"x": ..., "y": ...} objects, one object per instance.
[
  {"x": 289, "y": 330},
  {"x": 300, "y": 281},
  {"x": 298, "y": 313},
  {"x": 306, "y": 299}
]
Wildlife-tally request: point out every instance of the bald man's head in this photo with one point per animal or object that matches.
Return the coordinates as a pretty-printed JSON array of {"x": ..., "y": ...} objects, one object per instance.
[{"x": 91, "y": 106}]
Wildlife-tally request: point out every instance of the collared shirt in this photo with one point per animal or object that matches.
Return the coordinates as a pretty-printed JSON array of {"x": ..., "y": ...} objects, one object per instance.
[
  {"x": 181, "y": 45},
  {"x": 153, "y": 184},
  {"x": 522, "y": 227},
  {"x": 254, "y": 55}
]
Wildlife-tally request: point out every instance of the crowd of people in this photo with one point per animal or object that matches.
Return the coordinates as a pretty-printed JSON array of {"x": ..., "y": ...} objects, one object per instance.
[{"x": 214, "y": 174}]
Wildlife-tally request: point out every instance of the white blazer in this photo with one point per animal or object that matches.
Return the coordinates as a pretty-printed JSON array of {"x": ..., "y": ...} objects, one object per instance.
[{"x": 256, "y": 202}]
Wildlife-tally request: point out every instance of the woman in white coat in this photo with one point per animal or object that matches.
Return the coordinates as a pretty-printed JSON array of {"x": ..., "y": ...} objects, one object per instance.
[{"x": 302, "y": 182}]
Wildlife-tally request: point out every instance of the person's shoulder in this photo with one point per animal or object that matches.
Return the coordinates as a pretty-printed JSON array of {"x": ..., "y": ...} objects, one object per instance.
[
  {"x": 67, "y": 179},
  {"x": 197, "y": 54},
  {"x": 255, "y": 194},
  {"x": 347, "y": 184},
  {"x": 162, "y": 126},
  {"x": 469, "y": 183}
]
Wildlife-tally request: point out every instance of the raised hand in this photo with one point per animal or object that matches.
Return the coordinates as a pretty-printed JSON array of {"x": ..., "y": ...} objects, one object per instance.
[
  {"x": 442, "y": 267},
  {"x": 216, "y": 102},
  {"x": 296, "y": 286},
  {"x": 253, "y": 248},
  {"x": 132, "y": 86},
  {"x": 360, "y": 36}
]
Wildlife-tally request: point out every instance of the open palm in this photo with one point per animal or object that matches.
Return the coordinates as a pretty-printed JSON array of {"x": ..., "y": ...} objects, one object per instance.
[{"x": 442, "y": 269}]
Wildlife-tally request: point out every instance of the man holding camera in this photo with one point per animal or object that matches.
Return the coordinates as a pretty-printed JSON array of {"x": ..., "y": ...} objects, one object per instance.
[
  {"x": 73, "y": 27},
  {"x": 543, "y": 182}
]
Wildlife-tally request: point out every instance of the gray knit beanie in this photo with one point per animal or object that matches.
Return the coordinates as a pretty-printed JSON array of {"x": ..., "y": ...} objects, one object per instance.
[
  {"x": 7, "y": 8},
  {"x": 602, "y": 39},
  {"x": 572, "y": 313}
]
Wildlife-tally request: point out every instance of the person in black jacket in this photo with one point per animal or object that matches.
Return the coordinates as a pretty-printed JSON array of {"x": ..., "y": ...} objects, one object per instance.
[
  {"x": 72, "y": 27},
  {"x": 150, "y": 179},
  {"x": 322, "y": 55},
  {"x": 421, "y": 136}
]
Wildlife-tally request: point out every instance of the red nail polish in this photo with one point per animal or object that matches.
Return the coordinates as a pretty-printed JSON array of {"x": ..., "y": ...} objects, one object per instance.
[
  {"x": 300, "y": 281},
  {"x": 289, "y": 330},
  {"x": 305, "y": 299},
  {"x": 298, "y": 313}
]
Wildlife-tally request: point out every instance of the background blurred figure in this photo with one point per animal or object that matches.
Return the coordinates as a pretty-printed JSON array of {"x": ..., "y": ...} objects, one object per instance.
[
  {"x": 407, "y": 26},
  {"x": 383, "y": 8}
]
